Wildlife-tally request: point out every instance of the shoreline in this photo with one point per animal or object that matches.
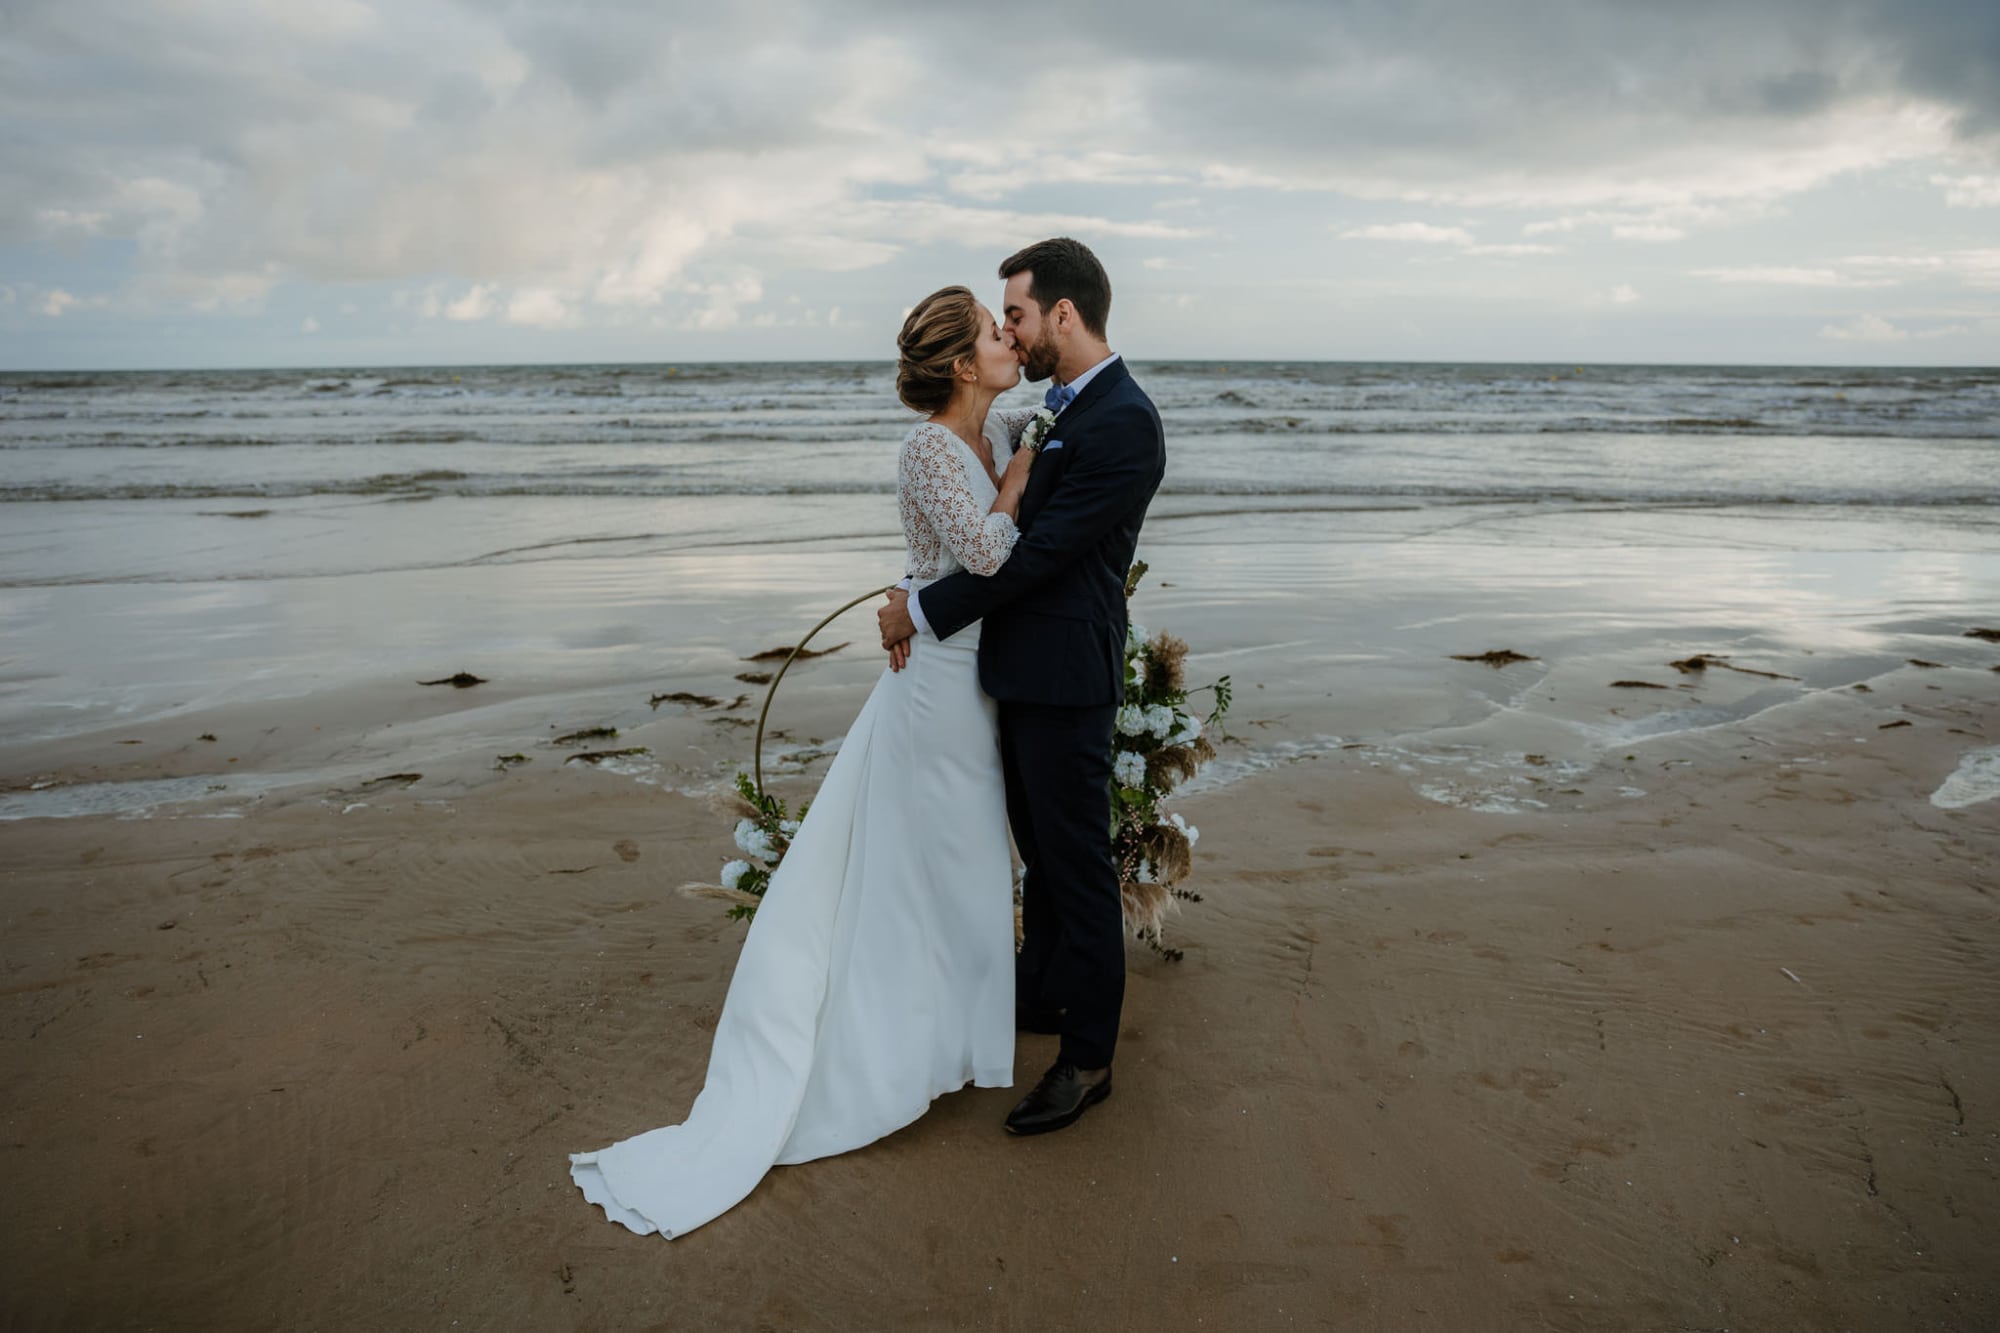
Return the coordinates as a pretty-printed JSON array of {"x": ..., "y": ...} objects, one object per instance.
[{"x": 1341, "y": 645}]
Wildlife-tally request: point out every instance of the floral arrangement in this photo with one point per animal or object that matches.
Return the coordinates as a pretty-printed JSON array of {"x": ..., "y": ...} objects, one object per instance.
[
  {"x": 1158, "y": 743},
  {"x": 1036, "y": 433},
  {"x": 764, "y": 832}
]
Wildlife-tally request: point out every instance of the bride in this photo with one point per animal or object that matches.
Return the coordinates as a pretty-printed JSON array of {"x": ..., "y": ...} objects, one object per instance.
[{"x": 879, "y": 970}]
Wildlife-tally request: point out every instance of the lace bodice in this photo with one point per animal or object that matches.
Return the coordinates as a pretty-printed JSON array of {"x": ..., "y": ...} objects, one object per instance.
[{"x": 944, "y": 495}]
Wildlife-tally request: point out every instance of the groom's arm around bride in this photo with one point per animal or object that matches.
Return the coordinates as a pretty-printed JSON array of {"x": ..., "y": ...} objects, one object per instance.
[{"x": 1059, "y": 635}]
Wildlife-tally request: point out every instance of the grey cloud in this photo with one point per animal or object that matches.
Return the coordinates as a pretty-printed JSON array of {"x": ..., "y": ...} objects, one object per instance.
[
  {"x": 1801, "y": 92},
  {"x": 1526, "y": 82},
  {"x": 616, "y": 142},
  {"x": 1948, "y": 49}
]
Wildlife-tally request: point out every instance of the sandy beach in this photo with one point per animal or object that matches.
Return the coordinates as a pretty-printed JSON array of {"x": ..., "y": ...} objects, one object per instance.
[{"x": 1516, "y": 998}]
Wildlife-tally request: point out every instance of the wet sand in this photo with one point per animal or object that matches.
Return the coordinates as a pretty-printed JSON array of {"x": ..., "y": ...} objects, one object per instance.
[{"x": 1515, "y": 1000}]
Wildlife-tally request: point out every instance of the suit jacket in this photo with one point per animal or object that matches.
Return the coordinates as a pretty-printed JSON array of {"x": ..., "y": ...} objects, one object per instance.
[{"x": 1054, "y": 613}]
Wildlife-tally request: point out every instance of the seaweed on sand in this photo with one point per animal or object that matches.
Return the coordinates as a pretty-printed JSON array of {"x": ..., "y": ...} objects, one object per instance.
[
  {"x": 1703, "y": 661},
  {"x": 597, "y": 756},
  {"x": 779, "y": 654},
  {"x": 683, "y": 697},
  {"x": 1496, "y": 657}
]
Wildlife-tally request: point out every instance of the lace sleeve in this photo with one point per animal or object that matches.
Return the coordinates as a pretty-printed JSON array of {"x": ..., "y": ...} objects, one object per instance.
[
  {"x": 931, "y": 474},
  {"x": 1016, "y": 420}
]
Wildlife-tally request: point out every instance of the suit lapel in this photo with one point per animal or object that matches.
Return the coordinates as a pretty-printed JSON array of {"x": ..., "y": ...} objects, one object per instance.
[
  {"x": 1045, "y": 479},
  {"x": 1093, "y": 393}
]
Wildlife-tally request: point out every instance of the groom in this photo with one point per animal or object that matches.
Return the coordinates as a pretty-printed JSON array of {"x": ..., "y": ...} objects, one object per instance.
[{"x": 1052, "y": 653}]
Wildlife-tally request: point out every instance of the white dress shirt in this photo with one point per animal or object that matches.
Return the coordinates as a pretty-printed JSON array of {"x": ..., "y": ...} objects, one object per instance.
[{"x": 917, "y": 612}]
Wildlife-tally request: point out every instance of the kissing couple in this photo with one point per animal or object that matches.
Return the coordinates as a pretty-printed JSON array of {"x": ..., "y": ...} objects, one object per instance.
[{"x": 881, "y": 969}]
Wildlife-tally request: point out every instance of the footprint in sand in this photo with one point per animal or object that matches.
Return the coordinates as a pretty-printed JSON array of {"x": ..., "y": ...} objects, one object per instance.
[{"x": 628, "y": 851}]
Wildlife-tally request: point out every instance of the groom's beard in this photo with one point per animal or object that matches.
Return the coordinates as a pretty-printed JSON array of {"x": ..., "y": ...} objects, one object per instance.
[{"x": 1042, "y": 358}]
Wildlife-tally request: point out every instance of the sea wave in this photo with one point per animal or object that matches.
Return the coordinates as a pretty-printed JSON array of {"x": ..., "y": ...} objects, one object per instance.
[
  {"x": 517, "y": 432},
  {"x": 641, "y": 482},
  {"x": 1938, "y": 426}
]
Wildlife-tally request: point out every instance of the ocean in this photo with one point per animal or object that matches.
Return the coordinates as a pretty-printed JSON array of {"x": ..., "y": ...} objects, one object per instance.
[
  {"x": 1429, "y": 434},
  {"x": 178, "y": 544}
]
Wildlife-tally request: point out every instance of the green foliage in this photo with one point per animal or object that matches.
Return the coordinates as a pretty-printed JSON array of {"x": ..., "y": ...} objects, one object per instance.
[
  {"x": 1224, "y": 696},
  {"x": 764, "y": 838}
]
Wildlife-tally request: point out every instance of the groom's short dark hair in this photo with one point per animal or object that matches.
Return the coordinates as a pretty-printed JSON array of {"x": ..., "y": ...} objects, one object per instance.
[{"x": 1062, "y": 268}]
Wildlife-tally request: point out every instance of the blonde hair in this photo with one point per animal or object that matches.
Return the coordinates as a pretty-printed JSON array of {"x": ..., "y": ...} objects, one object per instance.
[{"x": 941, "y": 334}]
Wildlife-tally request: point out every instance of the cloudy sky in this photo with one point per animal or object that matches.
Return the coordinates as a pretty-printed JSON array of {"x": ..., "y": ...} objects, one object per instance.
[{"x": 328, "y": 182}]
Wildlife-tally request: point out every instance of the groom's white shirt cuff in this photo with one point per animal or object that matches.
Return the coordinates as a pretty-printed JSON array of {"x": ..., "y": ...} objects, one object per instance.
[{"x": 916, "y": 612}]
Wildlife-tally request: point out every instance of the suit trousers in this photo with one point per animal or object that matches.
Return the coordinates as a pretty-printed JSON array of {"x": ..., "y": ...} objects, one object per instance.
[{"x": 1057, "y": 763}]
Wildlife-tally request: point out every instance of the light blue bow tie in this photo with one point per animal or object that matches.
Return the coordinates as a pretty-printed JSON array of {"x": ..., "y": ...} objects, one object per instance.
[{"x": 1058, "y": 397}]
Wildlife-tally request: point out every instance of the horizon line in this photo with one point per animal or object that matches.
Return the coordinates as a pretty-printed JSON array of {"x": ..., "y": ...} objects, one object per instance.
[{"x": 890, "y": 361}]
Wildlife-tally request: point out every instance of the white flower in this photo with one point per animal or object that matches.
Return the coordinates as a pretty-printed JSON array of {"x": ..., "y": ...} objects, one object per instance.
[
  {"x": 1160, "y": 720},
  {"x": 788, "y": 827},
  {"x": 1190, "y": 729},
  {"x": 1138, "y": 673},
  {"x": 753, "y": 841},
  {"x": 1131, "y": 720},
  {"x": 1129, "y": 768},
  {"x": 1135, "y": 636},
  {"x": 1193, "y": 833},
  {"x": 733, "y": 873},
  {"x": 1145, "y": 875}
]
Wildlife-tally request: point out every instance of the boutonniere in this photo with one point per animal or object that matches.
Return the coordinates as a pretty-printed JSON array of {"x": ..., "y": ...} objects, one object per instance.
[{"x": 1037, "y": 429}]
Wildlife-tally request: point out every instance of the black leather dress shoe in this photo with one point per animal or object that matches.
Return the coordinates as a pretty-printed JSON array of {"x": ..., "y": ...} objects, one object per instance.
[
  {"x": 1033, "y": 1018},
  {"x": 1060, "y": 1099}
]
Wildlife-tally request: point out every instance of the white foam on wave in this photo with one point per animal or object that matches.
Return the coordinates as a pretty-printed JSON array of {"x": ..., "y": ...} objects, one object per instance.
[
  {"x": 135, "y": 800},
  {"x": 1485, "y": 800},
  {"x": 643, "y": 767},
  {"x": 1470, "y": 777},
  {"x": 1491, "y": 782},
  {"x": 1976, "y": 779},
  {"x": 1224, "y": 772}
]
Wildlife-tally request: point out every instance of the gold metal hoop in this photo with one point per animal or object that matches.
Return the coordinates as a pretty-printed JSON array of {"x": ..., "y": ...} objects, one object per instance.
[{"x": 757, "y": 760}]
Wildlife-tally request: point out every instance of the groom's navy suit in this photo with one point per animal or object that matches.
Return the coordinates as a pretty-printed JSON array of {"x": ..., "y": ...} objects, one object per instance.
[{"x": 1052, "y": 653}]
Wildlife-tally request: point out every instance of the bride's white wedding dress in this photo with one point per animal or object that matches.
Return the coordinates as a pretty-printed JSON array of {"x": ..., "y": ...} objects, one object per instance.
[{"x": 878, "y": 972}]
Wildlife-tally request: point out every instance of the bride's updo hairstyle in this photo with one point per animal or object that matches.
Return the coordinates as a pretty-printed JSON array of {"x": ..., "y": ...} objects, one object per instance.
[{"x": 940, "y": 336}]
